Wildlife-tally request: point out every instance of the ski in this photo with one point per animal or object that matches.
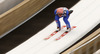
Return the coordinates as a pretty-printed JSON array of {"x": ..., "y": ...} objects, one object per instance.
[
  {"x": 52, "y": 34},
  {"x": 62, "y": 35}
]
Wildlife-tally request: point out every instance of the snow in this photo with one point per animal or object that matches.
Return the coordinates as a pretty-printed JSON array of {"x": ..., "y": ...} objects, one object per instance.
[{"x": 85, "y": 17}]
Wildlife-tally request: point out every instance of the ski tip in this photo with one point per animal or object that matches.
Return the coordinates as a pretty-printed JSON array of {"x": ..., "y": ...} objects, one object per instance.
[
  {"x": 46, "y": 38},
  {"x": 56, "y": 39},
  {"x": 64, "y": 25},
  {"x": 74, "y": 26}
]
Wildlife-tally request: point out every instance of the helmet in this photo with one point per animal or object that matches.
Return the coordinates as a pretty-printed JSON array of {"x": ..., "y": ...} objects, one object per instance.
[{"x": 60, "y": 10}]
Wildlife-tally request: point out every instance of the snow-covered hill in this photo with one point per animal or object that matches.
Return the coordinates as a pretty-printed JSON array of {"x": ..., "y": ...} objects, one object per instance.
[{"x": 86, "y": 16}]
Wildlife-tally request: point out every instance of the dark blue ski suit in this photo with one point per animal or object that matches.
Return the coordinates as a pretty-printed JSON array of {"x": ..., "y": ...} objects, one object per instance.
[{"x": 65, "y": 18}]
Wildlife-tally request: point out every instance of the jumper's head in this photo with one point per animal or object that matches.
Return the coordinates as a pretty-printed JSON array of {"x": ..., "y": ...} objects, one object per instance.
[{"x": 60, "y": 11}]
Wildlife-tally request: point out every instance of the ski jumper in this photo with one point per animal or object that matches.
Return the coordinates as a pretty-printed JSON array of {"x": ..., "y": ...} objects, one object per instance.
[{"x": 65, "y": 15}]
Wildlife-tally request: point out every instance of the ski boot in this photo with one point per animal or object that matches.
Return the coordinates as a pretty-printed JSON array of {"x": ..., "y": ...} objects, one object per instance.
[
  {"x": 68, "y": 30},
  {"x": 58, "y": 29}
]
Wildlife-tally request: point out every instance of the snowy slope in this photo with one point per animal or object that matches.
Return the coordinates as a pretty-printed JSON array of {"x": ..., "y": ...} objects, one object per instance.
[{"x": 85, "y": 17}]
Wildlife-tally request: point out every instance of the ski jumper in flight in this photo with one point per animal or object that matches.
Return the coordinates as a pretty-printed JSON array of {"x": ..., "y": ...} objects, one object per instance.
[{"x": 65, "y": 13}]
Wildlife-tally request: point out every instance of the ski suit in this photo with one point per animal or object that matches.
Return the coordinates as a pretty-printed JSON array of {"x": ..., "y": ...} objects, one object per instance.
[{"x": 65, "y": 16}]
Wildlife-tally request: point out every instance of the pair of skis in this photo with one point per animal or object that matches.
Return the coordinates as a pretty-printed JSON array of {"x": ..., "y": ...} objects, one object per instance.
[{"x": 62, "y": 35}]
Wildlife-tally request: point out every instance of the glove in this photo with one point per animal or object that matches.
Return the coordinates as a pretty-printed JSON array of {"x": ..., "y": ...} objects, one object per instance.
[{"x": 70, "y": 11}]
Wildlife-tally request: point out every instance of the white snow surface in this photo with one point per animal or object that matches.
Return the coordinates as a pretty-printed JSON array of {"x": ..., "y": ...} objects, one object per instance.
[{"x": 86, "y": 16}]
